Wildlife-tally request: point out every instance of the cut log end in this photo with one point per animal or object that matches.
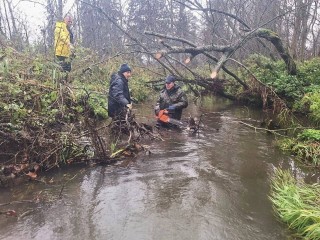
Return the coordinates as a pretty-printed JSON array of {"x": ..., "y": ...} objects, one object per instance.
[
  {"x": 158, "y": 55},
  {"x": 214, "y": 74}
]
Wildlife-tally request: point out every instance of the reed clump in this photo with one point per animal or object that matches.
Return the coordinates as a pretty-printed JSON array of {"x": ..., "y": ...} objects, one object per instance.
[{"x": 297, "y": 204}]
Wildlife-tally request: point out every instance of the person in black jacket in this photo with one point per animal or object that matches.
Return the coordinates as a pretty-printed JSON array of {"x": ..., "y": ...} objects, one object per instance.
[{"x": 119, "y": 100}]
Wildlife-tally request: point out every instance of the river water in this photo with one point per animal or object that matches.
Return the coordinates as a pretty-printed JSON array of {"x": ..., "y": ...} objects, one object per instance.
[{"x": 213, "y": 185}]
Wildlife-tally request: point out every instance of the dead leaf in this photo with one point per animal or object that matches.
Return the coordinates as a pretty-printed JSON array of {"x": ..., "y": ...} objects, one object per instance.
[
  {"x": 69, "y": 161},
  {"x": 25, "y": 155},
  {"x": 21, "y": 167},
  {"x": 187, "y": 60},
  {"x": 138, "y": 146},
  {"x": 36, "y": 167},
  {"x": 11, "y": 213},
  {"x": 32, "y": 175},
  {"x": 127, "y": 153}
]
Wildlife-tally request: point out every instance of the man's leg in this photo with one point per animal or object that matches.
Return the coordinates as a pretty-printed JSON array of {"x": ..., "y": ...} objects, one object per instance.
[{"x": 65, "y": 63}]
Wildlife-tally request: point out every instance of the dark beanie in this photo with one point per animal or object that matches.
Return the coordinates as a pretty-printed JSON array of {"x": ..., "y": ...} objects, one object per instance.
[
  {"x": 124, "y": 68},
  {"x": 170, "y": 79}
]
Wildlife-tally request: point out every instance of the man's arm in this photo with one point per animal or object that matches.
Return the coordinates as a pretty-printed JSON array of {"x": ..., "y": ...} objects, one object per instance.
[
  {"x": 182, "y": 103},
  {"x": 118, "y": 95}
]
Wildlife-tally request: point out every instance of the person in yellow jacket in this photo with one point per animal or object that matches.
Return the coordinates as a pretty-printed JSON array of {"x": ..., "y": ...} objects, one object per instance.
[{"x": 63, "y": 43}]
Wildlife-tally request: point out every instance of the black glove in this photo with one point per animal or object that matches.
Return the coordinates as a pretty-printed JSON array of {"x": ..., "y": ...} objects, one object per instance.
[{"x": 171, "y": 109}]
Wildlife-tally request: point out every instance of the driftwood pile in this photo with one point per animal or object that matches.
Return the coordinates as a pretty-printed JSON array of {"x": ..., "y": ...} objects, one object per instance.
[{"x": 36, "y": 145}]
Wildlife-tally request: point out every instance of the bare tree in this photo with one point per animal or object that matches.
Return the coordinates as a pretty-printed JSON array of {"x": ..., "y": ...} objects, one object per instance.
[{"x": 96, "y": 32}]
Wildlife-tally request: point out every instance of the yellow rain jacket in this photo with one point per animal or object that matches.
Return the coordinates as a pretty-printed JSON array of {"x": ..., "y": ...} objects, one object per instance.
[{"x": 62, "y": 40}]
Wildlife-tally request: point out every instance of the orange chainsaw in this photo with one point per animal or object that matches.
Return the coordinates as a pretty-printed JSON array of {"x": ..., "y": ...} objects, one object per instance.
[{"x": 163, "y": 116}]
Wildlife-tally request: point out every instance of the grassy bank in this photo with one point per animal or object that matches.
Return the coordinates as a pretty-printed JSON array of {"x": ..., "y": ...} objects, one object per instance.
[
  {"x": 297, "y": 204},
  {"x": 306, "y": 146}
]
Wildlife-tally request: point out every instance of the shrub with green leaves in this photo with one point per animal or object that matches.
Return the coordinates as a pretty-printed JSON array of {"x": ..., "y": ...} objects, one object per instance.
[
  {"x": 309, "y": 135},
  {"x": 310, "y": 103},
  {"x": 297, "y": 204},
  {"x": 98, "y": 105},
  {"x": 274, "y": 74},
  {"x": 310, "y": 71}
]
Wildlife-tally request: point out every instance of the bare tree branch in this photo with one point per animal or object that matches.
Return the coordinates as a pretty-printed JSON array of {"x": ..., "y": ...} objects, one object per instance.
[
  {"x": 195, "y": 53},
  {"x": 229, "y": 50},
  {"x": 200, "y": 8}
]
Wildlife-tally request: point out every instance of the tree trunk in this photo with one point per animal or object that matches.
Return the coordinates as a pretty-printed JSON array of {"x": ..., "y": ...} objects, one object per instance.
[{"x": 282, "y": 50}]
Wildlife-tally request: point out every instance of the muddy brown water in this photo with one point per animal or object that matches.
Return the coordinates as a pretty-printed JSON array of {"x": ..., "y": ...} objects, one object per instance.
[{"x": 213, "y": 185}]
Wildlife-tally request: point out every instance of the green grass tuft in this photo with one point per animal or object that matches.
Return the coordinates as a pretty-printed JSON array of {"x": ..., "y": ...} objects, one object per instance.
[{"x": 297, "y": 204}]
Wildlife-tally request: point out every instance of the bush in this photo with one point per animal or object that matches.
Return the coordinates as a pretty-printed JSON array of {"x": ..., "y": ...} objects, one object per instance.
[
  {"x": 274, "y": 74},
  {"x": 309, "y": 135},
  {"x": 310, "y": 104},
  {"x": 310, "y": 71}
]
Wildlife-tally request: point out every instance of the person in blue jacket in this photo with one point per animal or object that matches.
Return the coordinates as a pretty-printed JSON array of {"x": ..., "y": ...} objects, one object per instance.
[{"x": 119, "y": 100}]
